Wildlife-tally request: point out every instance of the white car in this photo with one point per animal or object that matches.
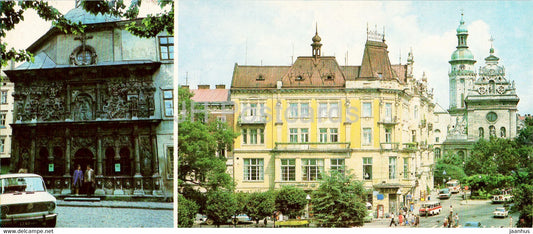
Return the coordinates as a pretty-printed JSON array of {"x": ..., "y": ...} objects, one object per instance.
[
  {"x": 500, "y": 212},
  {"x": 25, "y": 201}
]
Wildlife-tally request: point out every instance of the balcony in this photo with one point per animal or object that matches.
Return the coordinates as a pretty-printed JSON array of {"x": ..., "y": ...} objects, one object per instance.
[
  {"x": 255, "y": 119},
  {"x": 332, "y": 147},
  {"x": 389, "y": 120},
  {"x": 412, "y": 146},
  {"x": 389, "y": 146}
]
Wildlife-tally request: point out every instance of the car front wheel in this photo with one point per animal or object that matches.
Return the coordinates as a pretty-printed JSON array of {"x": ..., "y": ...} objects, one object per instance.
[{"x": 51, "y": 223}]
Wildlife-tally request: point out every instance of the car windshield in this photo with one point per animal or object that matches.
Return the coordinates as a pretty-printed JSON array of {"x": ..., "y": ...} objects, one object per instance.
[
  {"x": 21, "y": 184},
  {"x": 500, "y": 209},
  {"x": 444, "y": 191}
]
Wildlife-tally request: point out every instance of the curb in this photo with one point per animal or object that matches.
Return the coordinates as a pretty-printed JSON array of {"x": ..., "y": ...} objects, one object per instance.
[
  {"x": 99, "y": 205},
  {"x": 475, "y": 202}
]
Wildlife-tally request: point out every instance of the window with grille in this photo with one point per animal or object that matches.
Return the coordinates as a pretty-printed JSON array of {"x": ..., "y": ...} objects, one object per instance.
[
  {"x": 3, "y": 98},
  {"x": 367, "y": 136},
  {"x": 288, "y": 169},
  {"x": 304, "y": 133},
  {"x": 334, "y": 134},
  {"x": 169, "y": 102},
  {"x": 323, "y": 135},
  {"x": 253, "y": 169},
  {"x": 312, "y": 169},
  {"x": 166, "y": 47},
  {"x": 392, "y": 167},
  {"x": 367, "y": 109},
  {"x": 293, "y": 135},
  {"x": 367, "y": 168},
  {"x": 337, "y": 164}
]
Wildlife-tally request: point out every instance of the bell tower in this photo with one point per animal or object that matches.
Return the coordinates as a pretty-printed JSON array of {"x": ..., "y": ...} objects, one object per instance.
[{"x": 316, "y": 44}]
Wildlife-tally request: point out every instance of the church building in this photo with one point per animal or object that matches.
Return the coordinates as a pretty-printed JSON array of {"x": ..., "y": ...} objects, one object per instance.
[
  {"x": 101, "y": 99},
  {"x": 483, "y": 104}
]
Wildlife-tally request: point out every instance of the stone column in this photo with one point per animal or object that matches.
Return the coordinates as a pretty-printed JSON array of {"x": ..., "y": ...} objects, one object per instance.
[
  {"x": 32, "y": 151},
  {"x": 137, "y": 178},
  {"x": 67, "y": 177},
  {"x": 99, "y": 191},
  {"x": 156, "y": 177}
]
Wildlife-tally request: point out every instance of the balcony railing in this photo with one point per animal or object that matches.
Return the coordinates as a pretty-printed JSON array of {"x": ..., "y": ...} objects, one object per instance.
[
  {"x": 389, "y": 146},
  {"x": 389, "y": 120},
  {"x": 255, "y": 119},
  {"x": 312, "y": 147},
  {"x": 410, "y": 146}
]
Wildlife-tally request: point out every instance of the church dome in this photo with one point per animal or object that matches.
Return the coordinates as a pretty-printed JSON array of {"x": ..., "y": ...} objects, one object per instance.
[
  {"x": 462, "y": 54},
  {"x": 462, "y": 27},
  {"x": 80, "y": 15}
]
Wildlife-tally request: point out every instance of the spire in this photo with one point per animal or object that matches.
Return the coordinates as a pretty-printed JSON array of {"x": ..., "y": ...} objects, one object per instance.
[
  {"x": 316, "y": 43},
  {"x": 491, "y": 51}
]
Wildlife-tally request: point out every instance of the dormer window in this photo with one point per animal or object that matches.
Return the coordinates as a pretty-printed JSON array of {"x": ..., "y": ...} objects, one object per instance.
[
  {"x": 299, "y": 78},
  {"x": 380, "y": 75},
  {"x": 260, "y": 77},
  {"x": 330, "y": 77}
]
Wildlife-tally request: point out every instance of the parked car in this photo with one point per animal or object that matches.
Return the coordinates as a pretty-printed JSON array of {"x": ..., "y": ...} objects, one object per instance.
[
  {"x": 445, "y": 193},
  {"x": 500, "y": 212},
  {"x": 25, "y": 201},
  {"x": 472, "y": 225}
]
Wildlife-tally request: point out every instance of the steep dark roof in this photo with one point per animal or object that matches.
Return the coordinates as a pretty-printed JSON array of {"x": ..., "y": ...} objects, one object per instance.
[
  {"x": 376, "y": 61},
  {"x": 314, "y": 72},
  {"x": 257, "y": 76}
]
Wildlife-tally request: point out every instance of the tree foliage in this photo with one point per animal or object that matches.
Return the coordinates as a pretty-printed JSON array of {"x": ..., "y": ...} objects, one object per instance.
[
  {"x": 487, "y": 183},
  {"x": 260, "y": 205},
  {"x": 221, "y": 206},
  {"x": 12, "y": 13},
  {"x": 339, "y": 201},
  {"x": 452, "y": 164},
  {"x": 291, "y": 200},
  {"x": 186, "y": 211},
  {"x": 494, "y": 156}
]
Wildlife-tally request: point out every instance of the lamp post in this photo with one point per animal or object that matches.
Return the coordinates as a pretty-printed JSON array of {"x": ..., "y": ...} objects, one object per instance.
[{"x": 308, "y": 198}]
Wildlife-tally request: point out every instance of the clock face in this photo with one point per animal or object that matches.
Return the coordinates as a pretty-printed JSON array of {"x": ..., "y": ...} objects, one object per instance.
[{"x": 491, "y": 116}]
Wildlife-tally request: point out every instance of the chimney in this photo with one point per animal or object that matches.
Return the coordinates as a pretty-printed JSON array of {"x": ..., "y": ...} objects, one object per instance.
[
  {"x": 220, "y": 86},
  {"x": 185, "y": 87},
  {"x": 203, "y": 86}
]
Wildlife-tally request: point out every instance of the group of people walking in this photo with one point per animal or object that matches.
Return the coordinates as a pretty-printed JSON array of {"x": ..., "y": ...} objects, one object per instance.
[
  {"x": 84, "y": 181},
  {"x": 405, "y": 219}
]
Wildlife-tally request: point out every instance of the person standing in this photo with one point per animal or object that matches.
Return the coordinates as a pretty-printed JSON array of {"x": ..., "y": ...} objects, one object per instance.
[
  {"x": 89, "y": 180},
  {"x": 456, "y": 220},
  {"x": 78, "y": 179},
  {"x": 400, "y": 219},
  {"x": 392, "y": 220}
]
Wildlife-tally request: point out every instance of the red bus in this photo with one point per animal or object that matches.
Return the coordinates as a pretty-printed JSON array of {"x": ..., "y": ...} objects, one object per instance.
[{"x": 430, "y": 208}]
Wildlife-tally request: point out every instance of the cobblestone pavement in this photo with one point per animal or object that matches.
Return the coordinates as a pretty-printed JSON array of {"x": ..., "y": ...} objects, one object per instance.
[{"x": 86, "y": 217}]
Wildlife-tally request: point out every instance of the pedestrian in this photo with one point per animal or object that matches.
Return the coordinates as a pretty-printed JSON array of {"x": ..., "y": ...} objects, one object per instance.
[
  {"x": 456, "y": 220},
  {"x": 400, "y": 219},
  {"x": 450, "y": 219},
  {"x": 445, "y": 222},
  {"x": 510, "y": 221},
  {"x": 392, "y": 220},
  {"x": 451, "y": 209},
  {"x": 89, "y": 180},
  {"x": 78, "y": 179},
  {"x": 417, "y": 220}
]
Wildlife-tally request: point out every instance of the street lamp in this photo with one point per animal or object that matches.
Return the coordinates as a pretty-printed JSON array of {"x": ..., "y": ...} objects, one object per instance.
[{"x": 308, "y": 198}]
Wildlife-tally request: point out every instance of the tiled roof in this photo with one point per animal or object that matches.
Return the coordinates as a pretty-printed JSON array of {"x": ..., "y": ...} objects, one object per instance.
[
  {"x": 210, "y": 95},
  {"x": 376, "y": 61},
  {"x": 314, "y": 72},
  {"x": 257, "y": 76},
  {"x": 400, "y": 71}
]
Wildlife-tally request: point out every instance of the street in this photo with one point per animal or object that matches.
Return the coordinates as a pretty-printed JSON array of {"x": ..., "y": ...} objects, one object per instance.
[
  {"x": 88, "y": 217},
  {"x": 469, "y": 211}
]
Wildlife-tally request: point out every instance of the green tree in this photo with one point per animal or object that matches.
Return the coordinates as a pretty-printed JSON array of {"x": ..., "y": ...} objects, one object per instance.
[
  {"x": 494, "y": 156},
  {"x": 485, "y": 185},
  {"x": 12, "y": 13},
  {"x": 221, "y": 205},
  {"x": 291, "y": 200},
  {"x": 186, "y": 211},
  {"x": 199, "y": 167},
  {"x": 339, "y": 201},
  {"x": 260, "y": 205}
]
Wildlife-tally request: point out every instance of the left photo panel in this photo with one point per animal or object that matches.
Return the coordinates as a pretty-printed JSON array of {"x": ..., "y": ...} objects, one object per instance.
[{"x": 86, "y": 114}]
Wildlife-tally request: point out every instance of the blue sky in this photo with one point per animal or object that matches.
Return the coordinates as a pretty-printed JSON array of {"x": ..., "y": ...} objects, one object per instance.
[{"x": 214, "y": 35}]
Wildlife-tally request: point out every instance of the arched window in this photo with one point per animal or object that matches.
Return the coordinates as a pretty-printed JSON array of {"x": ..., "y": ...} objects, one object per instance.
[
  {"x": 437, "y": 153},
  {"x": 481, "y": 133},
  {"x": 437, "y": 137},
  {"x": 492, "y": 131},
  {"x": 502, "y": 132}
]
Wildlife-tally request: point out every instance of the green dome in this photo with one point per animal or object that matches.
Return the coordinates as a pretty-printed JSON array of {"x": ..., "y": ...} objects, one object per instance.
[
  {"x": 462, "y": 54},
  {"x": 462, "y": 28}
]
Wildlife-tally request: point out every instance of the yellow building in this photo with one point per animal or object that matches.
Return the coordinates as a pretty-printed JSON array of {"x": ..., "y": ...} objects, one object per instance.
[{"x": 298, "y": 122}]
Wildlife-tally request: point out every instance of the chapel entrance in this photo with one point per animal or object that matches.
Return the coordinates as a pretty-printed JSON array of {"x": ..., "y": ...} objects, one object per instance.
[{"x": 83, "y": 157}]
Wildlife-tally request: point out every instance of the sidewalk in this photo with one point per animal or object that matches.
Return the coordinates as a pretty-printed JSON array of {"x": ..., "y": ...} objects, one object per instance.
[{"x": 119, "y": 204}]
